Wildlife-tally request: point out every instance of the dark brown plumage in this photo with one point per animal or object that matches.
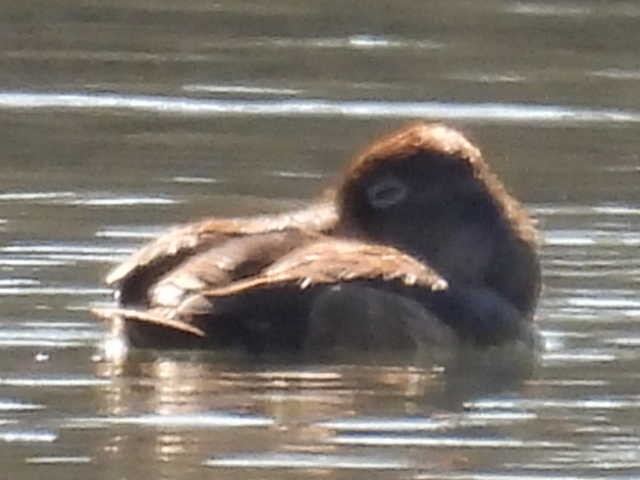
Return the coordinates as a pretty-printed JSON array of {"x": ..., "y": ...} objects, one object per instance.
[{"x": 421, "y": 245}]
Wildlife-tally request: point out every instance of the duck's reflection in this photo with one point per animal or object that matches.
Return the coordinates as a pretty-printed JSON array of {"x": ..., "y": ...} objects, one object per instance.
[{"x": 188, "y": 408}]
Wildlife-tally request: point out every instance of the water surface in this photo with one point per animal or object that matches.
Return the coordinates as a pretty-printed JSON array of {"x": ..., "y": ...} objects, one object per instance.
[{"x": 122, "y": 118}]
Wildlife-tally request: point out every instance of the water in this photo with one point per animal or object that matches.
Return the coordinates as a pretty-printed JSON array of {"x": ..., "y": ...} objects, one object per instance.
[{"x": 122, "y": 118}]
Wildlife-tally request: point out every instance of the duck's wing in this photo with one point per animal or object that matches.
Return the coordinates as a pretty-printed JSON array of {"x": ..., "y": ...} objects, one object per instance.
[
  {"x": 324, "y": 261},
  {"x": 329, "y": 261},
  {"x": 226, "y": 259},
  {"x": 146, "y": 266},
  {"x": 225, "y": 263}
]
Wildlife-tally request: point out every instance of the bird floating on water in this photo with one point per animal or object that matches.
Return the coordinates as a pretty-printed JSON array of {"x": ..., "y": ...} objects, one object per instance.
[{"x": 419, "y": 244}]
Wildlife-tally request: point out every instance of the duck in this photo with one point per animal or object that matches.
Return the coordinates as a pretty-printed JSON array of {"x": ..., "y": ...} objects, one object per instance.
[{"x": 418, "y": 244}]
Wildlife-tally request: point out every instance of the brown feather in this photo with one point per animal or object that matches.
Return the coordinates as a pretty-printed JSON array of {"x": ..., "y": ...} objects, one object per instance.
[
  {"x": 329, "y": 261},
  {"x": 159, "y": 317},
  {"x": 201, "y": 235},
  {"x": 137, "y": 275},
  {"x": 221, "y": 264}
]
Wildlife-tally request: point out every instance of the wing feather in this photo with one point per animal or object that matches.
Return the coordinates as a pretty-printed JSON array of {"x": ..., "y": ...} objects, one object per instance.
[
  {"x": 147, "y": 265},
  {"x": 320, "y": 261},
  {"x": 328, "y": 261},
  {"x": 224, "y": 263},
  {"x": 158, "y": 316}
]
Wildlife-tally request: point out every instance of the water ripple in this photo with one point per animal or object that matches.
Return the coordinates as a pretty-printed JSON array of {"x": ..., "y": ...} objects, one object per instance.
[
  {"x": 71, "y": 290},
  {"x": 352, "y": 42},
  {"x": 306, "y": 460},
  {"x": 83, "y": 199},
  {"x": 57, "y": 460},
  {"x": 121, "y": 201},
  {"x": 203, "y": 420},
  {"x": 35, "y": 196},
  {"x": 55, "y": 248},
  {"x": 418, "y": 425},
  {"x": 515, "y": 475},
  {"x": 27, "y": 436},
  {"x": 550, "y": 10},
  {"x": 61, "y": 381},
  {"x": 445, "y": 442},
  {"x": 15, "y": 406},
  {"x": 48, "y": 336},
  {"x": 53, "y": 254},
  {"x": 504, "y": 112},
  {"x": 240, "y": 89}
]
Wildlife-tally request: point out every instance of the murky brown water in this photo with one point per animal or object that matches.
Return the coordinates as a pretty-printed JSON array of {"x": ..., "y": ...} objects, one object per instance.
[{"x": 119, "y": 118}]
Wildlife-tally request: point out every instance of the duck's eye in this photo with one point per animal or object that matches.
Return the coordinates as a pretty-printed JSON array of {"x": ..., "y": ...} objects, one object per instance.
[{"x": 387, "y": 192}]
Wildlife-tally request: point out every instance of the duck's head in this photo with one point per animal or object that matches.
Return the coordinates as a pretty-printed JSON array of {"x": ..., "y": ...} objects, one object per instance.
[{"x": 427, "y": 190}]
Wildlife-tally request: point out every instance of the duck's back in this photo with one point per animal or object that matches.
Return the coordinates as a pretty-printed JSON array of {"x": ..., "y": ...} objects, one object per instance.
[{"x": 213, "y": 252}]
